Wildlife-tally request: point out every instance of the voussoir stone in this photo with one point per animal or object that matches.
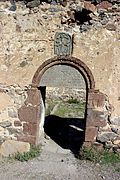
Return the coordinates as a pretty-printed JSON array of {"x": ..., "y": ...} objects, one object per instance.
[{"x": 11, "y": 147}]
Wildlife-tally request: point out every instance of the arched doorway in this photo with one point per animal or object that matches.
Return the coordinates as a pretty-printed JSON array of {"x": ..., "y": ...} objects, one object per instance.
[
  {"x": 31, "y": 112},
  {"x": 64, "y": 99},
  {"x": 70, "y": 61}
]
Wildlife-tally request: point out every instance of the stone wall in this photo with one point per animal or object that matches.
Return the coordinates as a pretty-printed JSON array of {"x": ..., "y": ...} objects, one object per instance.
[
  {"x": 100, "y": 130},
  {"x": 27, "y": 40}
]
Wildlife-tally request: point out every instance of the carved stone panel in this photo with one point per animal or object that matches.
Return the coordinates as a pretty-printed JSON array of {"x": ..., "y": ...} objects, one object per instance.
[{"x": 62, "y": 44}]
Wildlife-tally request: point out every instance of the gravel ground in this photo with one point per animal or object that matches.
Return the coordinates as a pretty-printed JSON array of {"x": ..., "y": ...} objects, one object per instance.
[{"x": 55, "y": 163}]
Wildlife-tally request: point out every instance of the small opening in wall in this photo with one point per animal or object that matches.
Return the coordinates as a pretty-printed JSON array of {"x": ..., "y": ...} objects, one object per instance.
[{"x": 82, "y": 16}]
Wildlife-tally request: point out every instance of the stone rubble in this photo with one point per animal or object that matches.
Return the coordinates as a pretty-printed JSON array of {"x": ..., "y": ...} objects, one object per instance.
[
  {"x": 88, "y": 14},
  {"x": 85, "y": 14},
  {"x": 11, "y": 147},
  {"x": 110, "y": 136},
  {"x": 108, "y": 133}
]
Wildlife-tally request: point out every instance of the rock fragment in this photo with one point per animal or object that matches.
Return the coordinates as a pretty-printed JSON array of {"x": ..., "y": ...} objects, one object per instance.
[{"x": 11, "y": 147}]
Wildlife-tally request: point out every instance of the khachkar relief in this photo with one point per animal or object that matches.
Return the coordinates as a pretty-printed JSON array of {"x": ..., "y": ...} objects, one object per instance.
[{"x": 63, "y": 44}]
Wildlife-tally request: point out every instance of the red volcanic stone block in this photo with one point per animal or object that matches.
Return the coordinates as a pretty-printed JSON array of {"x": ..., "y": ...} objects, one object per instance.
[
  {"x": 91, "y": 134},
  {"x": 33, "y": 97},
  {"x": 26, "y": 138},
  {"x": 96, "y": 99},
  {"x": 96, "y": 118},
  {"x": 104, "y": 5},
  {"x": 28, "y": 113},
  {"x": 30, "y": 129},
  {"x": 71, "y": 14},
  {"x": 89, "y": 6}
]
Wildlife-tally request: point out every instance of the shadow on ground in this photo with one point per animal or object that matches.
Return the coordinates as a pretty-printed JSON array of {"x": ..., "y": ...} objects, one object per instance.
[{"x": 68, "y": 133}]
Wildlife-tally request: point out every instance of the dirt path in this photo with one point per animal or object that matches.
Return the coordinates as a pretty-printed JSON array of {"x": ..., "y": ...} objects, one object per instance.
[{"x": 55, "y": 163}]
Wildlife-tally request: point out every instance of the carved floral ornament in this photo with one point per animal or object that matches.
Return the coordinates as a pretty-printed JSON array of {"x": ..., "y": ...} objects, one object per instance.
[{"x": 62, "y": 44}]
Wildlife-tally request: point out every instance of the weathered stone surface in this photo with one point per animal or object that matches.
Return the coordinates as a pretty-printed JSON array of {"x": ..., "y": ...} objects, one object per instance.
[
  {"x": 6, "y": 101},
  {"x": 12, "y": 113},
  {"x": 33, "y": 3},
  {"x": 110, "y": 27},
  {"x": 30, "y": 129},
  {"x": 109, "y": 145},
  {"x": 115, "y": 121},
  {"x": 104, "y": 5},
  {"x": 96, "y": 118},
  {"x": 33, "y": 97},
  {"x": 63, "y": 44},
  {"x": 89, "y": 6},
  {"x": 96, "y": 99},
  {"x": 11, "y": 147},
  {"x": 3, "y": 132},
  {"x": 28, "y": 113},
  {"x": 116, "y": 142},
  {"x": 106, "y": 136},
  {"x": 14, "y": 131},
  {"x": 5, "y": 124},
  {"x": 90, "y": 134},
  {"x": 71, "y": 15},
  {"x": 105, "y": 128}
]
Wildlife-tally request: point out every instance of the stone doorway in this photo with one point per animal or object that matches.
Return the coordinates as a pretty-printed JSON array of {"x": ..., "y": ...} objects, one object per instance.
[
  {"x": 32, "y": 112},
  {"x": 64, "y": 97}
]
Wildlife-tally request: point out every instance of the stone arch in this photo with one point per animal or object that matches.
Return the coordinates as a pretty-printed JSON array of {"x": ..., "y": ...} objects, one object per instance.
[
  {"x": 71, "y": 61},
  {"x": 30, "y": 112}
]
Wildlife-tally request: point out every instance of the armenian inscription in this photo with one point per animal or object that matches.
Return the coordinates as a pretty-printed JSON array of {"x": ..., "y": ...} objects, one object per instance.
[{"x": 62, "y": 44}]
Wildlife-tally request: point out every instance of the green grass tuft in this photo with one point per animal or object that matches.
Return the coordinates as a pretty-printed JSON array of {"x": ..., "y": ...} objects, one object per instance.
[
  {"x": 110, "y": 157},
  {"x": 102, "y": 157},
  {"x": 34, "y": 152}
]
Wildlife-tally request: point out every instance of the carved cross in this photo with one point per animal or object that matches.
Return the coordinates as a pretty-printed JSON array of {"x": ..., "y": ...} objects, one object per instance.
[{"x": 63, "y": 44}]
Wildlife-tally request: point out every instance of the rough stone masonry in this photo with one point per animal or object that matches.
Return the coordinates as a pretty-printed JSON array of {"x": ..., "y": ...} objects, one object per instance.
[{"x": 27, "y": 40}]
